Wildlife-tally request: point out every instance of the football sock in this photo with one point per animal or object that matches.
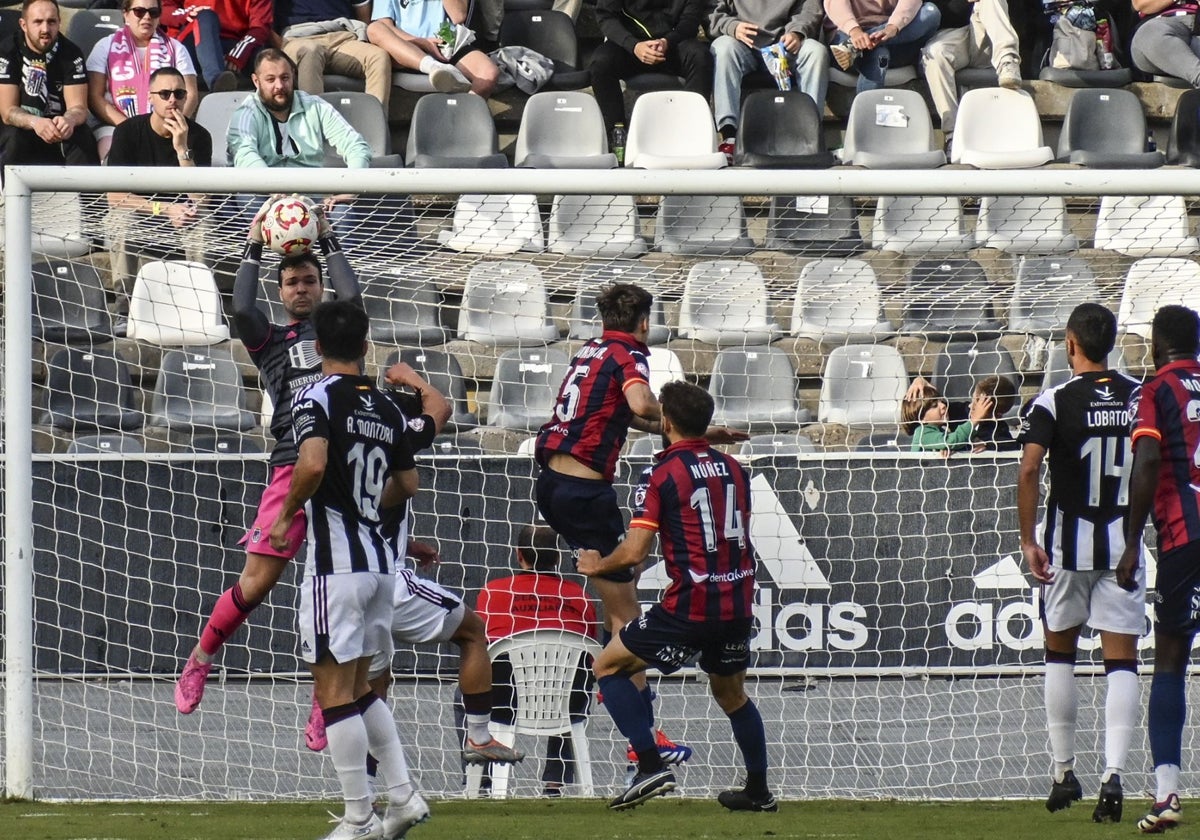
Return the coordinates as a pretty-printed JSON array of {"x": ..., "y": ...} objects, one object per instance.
[
  {"x": 1122, "y": 703},
  {"x": 751, "y": 739},
  {"x": 1061, "y": 712},
  {"x": 384, "y": 743},
  {"x": 347, "y": 733},
  {"x": 628, "y": 710},
  {"x": 648, "y": 699},
  {"x": 1166, "y": 780},
  {"x": 1168, "y": 706},
  {"x": 478, "y": 708},
  {"x": 231, "y": 611}
]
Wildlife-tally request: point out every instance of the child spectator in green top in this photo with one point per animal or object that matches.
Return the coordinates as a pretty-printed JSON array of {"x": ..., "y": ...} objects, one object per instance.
[{"x": 924, "y": 416}]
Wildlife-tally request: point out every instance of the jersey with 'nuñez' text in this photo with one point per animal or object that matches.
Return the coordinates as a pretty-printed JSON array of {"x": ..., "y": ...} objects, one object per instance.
[
  {"x": 367, "y": 442},
  {"x": 1084, "y": 426},
  {"x": 698, "y": 499},
  {"x": 1168, "y": 408},
  {"x": 591, "y": 416}
]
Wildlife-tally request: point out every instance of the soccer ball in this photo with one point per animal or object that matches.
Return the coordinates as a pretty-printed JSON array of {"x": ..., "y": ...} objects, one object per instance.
[{"x": 290, "y": 226}]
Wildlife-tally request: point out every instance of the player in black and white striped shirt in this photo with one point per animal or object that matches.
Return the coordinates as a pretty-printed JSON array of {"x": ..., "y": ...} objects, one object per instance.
[
  {"x": 1083, "y": 425},
  {"x": 354, "y": 462}
]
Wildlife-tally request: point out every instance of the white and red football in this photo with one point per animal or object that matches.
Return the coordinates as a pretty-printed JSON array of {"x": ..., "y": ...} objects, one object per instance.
[{"x": 290, "y": 226}]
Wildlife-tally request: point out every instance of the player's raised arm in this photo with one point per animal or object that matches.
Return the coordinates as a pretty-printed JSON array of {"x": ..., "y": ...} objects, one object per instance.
[
  {"x": 341, "y": 276},
  {"x": 252, "y": 325},
  {"x": 433, "y": 402}
]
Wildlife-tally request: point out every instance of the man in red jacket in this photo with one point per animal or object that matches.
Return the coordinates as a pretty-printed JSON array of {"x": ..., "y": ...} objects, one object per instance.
[{"x": 222, "y": 35}]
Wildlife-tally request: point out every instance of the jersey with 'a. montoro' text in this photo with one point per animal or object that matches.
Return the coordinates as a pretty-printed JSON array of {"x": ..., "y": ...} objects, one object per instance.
[
  {"x": 698, "y": 499},
  {"x": 591, "y": 415},
  {"x": 1168, "y": 408},
  {"x": 366, "y": 443},
  {"x": 1084, "y": 426}
]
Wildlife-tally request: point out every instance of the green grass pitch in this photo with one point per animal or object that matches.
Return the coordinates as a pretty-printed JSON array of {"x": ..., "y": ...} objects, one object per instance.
[{"x": 687, "y": 819}]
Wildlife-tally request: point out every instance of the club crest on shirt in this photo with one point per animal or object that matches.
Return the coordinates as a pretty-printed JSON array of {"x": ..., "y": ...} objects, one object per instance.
[
  {"x": 256, "y": 535},
  {"x": 416, "y": 424}
]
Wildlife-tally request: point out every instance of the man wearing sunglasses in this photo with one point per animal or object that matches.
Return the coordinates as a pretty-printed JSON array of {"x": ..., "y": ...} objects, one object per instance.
[
  {"x": 43, "y": 94},
  {"x": 157, "y": 225}
]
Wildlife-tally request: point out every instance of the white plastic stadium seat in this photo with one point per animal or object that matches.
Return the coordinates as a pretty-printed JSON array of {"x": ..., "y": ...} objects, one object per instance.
[
  {"x": 1152, "y": 284},
  {"x": 176, "y": 303},
  {"x": 862, "y": 386},
  {"x": 672, "y": 129},
  {"x": 922, "y": 224},
  {"x": 664, "y": 367},
  {"x": 998, "y": 129},
  {"x": 1145, "y": 226},
  {"x": 215, "y": 113},
  {"x": 1025, "y": 224},
  {"x": 725, "y": 302},
  {"x": 838, "y": 300},
  {"x": 494, "y": 224},
  {"x": 506, "y": 303}
]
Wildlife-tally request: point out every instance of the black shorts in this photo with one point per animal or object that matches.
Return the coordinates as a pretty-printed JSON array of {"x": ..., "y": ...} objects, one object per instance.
[
  {"x": 1177, "y": 590},
  {"x": 584, "y": 512},
  {"x": 668, "y": 643}
]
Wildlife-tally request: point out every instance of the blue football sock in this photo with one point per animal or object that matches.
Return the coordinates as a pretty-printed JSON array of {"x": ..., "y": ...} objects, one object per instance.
[
  {"x": 751, "y": 739},
  {"x": 1168, "y": 707},
  {"x": 628, "y": 711},
  {"x": 648, "y": 699}
]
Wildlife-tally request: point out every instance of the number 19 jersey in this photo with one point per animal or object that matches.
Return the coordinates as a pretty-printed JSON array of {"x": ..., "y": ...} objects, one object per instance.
[
  {"x": 591, "y": 416},
  {"x": 1084, "y": 425}
]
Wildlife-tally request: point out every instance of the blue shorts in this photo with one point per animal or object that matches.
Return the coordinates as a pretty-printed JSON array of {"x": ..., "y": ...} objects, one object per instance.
[
  {"x": 1177, "y": 590},
  {"x": 668, "y": 643},
  {"x": 584, "y": 512}
]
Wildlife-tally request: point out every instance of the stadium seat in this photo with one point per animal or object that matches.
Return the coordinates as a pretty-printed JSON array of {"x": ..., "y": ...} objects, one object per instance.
[
  {"x": 1046, "y": 290},
  {"x": 597, "y": 274},
  {"x": 754, "y": 389},
  {"x": 766, "y": 446},
  {"x": 544, "y": 664},
  {"x": 366, "y": 114},
  {"x": 225, "y": 443},
  {"x": 494, "y": 224},
  {"x": 56, "y": 226},
  {"x": 1024, "y": 224},
  {"x": 664, "y": 367},
  {"x": 1058, "y": 367},
  {"x": 725, "y": 302},
  {"x": 215, "y": 113},
  {"x": 200, "y": 390},
  {"x": 176, "y": 303},
  {"x": 443, "y": 372},
  {"x": 862, "y": 385},
  {"x": 110, "y": 444},
  {"x": 562, "y": 130},
  {"x": 525, "y": 386},
  {"x": 585, "y": 323},
  {"x": 672, "y": 130},
  {"x": 781, "y": 130},
  {"x": 644, "y": 447},
  {"x": 550, "y": 33},
  {"x": 890, "y": 129},
  {"x": 453, "y": 131},
  {"x": 998, "y": 129},
  {"x": 839, "y": 301},
  {"x": 68, "y": 303},
  {"x": 826, "y": 225},
  {"x": 453, "y": 446},
  {"x": 1071, "y": 78},
  {"x": 1183, "y": 147},
  {"x": 1152, "y": 284},
  {"x": 961, "y": 365},
  {"x": 1105, "y": 128},
  {"x": 90, "y": 389},
  {"x": 595, "y": 226},
  {"x": 403, "y": 306},
  {"x": 949, "y": 298},
  {"x": 88, "y": 26},
  {"x": 713, "y": 225},
  {"x": 895, "y": 77},
  {"x": 922, "y": 224},
  {"x": 1145, "y": 226},
  {"x": 506, "y": 303}
]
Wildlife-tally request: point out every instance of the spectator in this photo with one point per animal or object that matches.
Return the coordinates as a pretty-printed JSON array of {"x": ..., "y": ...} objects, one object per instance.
[
  {"x": 739, "y": 28},
  {"x": 538, "y": 599},
  {"x": 223, "y": 35},
  {"x": 156, "y": 225},
  {"x": 120, "y": 65},
  {"x": 1165, "y": 42},
  {"x": 648, "y": 36},
  {"x": 875, "y": 35},
  {"x": 43, "y": 94},
  {"x": 330, "y": 36},
  {"x": 410, "y": 33},
  {"x": 992, "y": 433},
  {"x": 925, "y": 414}
]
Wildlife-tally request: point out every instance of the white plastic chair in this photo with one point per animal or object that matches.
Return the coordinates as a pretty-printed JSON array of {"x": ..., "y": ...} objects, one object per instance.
[
  {"x": 839, "y": 300},
  {"x": 664, "y": 367},
  {"x": 863, "y": 385},
  {"x": 544, "y": 663},
  {"x": 1025, "y": 224},
  {"x": 1152, "y": 284},
  {"x": 672, "y": 129},
  {"x": 506, "y": 303},
  {"x": 176, "y": 303},
  {"x": 998, "y": 129},
  {"x": 920, "y": 224},
  {"x": 725, "y": 302},
  {"x": 1145, "y": 226}
]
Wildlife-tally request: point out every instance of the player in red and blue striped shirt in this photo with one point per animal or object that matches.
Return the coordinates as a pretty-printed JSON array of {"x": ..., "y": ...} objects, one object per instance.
[
  {"x": 698, "y": 501},
  {"x": 1166, "y": 475}
]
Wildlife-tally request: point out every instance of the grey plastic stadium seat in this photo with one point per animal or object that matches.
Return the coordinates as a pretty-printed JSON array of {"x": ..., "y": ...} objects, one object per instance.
[
  {"x": 1184, "y": 141},
  {"x": 110, "y": 444},
  {"x": 1034, "y": 224},
  {"x": 672, "y": 130},
  {"x": 90, "y": 389},
  {"x": 1152, "y": 284},
  {"x": 1046, "y": 291},
  {"x": 998, "y": 129},
  {"x": 453, "y": 131},
  {"x": 906, "y": 143},
  {"x": 443, "y": 372},
  {"x": 713, "y": 225},
  {"x": 366, "y": 114},
  {"x": 562, "y": 130},
  {"x": 725, "y": 302},
  {"x": 766, "y": 446},
  {"x": 862, "y": 385},
  {"x": 817, "y": 224},
  {"x": 1145, "y": 226},
  {"x": 948, "y": 298},
  {"x": 754, "y": 388},
  {"x": 1105, "y": 128},
  {"x": 403, "y": 307},
  {"x": 839, "y": 301},
  {"x": 524, "y": 387},
  {"x": 505, "y": 303},
  {"x": 200, "y": 389},
  {"x": 781, "y": 129},
  {"x": 68, "y": 303},
  {"x": 922, "y": 224},
  {"x": 1058, "y": 367},
  {"x": 88, "y": 26},
  {"x": 585, "y": 320},
  {"x": 550, "y": 33},
  {"x": 226, "y": 443},
  {"x": 1087, "y": 78},
  {"x": 961, "y": 364},
  {"x": 892, "y": 441},
  {"x": 215, "y": 113}
]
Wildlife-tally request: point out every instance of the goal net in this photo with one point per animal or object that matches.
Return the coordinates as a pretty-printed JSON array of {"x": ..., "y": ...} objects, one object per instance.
[{"x": 897, "y": 649}]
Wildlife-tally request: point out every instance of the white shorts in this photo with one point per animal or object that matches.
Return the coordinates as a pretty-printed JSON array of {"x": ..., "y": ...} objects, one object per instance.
[
  {"x": 348, "y": 616},
  {"x": 422, "y": 611},
  {"x": 1093, "y": 598}
]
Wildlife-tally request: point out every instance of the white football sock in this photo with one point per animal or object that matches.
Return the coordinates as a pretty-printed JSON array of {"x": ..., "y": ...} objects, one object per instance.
[
  {"x": 478, "y": 729},
  {"x": 348, "y": 749},
  {"x": 1122, "y": 705},
  {"x": 1167, "y": 778},
  {"x": 1061, "y": 713},
  {"x": 385, "y": 745}
]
